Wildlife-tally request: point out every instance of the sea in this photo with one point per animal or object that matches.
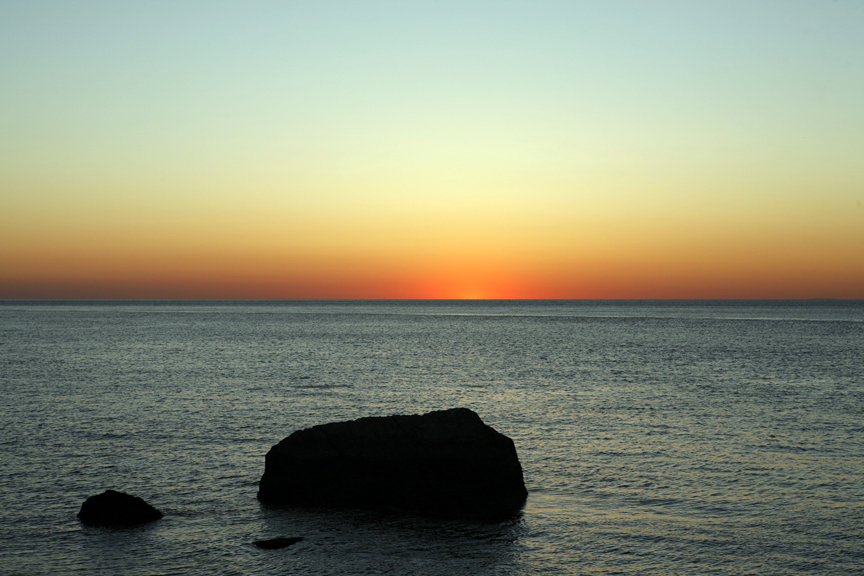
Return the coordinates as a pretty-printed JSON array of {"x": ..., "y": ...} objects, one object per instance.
[{"x": 656, "y": 437}]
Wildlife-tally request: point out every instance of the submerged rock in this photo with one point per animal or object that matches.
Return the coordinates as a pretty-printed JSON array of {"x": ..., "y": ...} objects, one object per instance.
[
  {"x": 446, "y": 463},
  {"x": 112, "y": 508},
  {"x": 275, "y": 543}
]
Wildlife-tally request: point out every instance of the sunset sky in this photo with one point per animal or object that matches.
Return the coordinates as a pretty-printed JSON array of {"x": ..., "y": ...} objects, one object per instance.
[{"x": 437, "y": 149}]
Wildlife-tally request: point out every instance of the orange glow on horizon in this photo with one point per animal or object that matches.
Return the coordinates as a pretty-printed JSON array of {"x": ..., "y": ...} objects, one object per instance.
[{"x": 307, "y": 278}]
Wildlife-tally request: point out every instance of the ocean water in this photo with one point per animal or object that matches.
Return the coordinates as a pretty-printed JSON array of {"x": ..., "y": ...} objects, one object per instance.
[{"x": 656, "y": 438}]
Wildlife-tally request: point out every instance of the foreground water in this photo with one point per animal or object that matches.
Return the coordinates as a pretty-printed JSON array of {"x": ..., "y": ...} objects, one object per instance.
[{"x": 656, "y": 437}]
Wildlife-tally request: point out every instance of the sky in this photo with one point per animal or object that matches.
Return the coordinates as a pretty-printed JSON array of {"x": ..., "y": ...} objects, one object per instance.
[{"x": 437, "y": 149}]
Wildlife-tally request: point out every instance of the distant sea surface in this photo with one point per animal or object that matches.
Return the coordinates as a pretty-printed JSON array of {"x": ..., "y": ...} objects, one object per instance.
[{"x": 656, "y": 437}]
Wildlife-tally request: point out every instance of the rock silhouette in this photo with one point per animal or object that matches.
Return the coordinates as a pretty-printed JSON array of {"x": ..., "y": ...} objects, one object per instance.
[
  {"x": 276, "y": 543},
  {"x": 112, "y": 508},
  {"x": 445, "y": 463}
]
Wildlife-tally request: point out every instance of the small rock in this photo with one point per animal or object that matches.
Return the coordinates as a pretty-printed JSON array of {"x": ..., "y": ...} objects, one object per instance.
[
  {"x": 112, "y": 508},
  {"x": 275, "y": 543}
]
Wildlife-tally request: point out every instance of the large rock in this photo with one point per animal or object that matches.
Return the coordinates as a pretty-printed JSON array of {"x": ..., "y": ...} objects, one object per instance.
[
  {"x": 112, "y": 508},
  {"x": 446, "y": 463}
]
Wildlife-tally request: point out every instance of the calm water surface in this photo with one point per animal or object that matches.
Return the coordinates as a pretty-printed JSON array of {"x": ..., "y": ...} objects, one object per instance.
[{"x": 673, "y": 438}]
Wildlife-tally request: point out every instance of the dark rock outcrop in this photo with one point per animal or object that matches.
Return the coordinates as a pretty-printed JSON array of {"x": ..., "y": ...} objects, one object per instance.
[
  {"x": 112, "y": 508},
  {"x": 446, "y": 463},
  {"x": 276, "y": 543}
]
